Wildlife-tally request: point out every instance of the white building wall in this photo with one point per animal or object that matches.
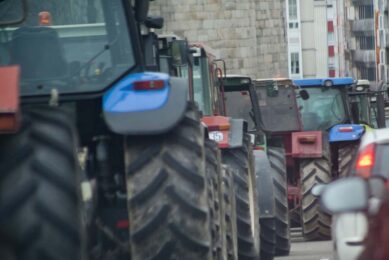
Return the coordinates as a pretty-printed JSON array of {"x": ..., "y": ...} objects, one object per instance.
[{"x": 321, "y": 43}]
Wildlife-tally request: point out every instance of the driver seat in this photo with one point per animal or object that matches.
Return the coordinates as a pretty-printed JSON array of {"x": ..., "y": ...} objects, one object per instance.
[{"x": 38, "y": 52}]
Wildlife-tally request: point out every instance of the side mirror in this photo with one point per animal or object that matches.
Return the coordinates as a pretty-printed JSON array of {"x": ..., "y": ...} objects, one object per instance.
[
  {"x": 14, "y": 11},
  {"x": 141, "y": 10},
  {"x": 154, "y": 22},
  {"x": 304, "y": 94},
  {"x": 179, "y": 52},
  {"x": 345, "y": 195},
  {"x": 318, "y": 189}
]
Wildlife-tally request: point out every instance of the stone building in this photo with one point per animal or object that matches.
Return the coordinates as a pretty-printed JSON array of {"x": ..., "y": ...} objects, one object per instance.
[{"x": 249, "y": 34}]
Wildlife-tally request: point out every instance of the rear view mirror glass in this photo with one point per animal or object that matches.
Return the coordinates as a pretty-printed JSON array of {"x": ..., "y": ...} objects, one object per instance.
[
  {"x": 179, "y": 52},
  {"x": 12, "y": 11},
  {"x": 304, "y": 94},
  {"x": 345, "y": 195},
  {"x": 318, "y": 189}
]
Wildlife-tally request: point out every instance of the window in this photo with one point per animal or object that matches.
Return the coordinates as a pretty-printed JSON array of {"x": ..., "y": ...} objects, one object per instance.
[
  {"x": 365, "y": 42},
  {"x": 366, "y": 11},
  {"x": 331, "y": 37},
  {"x": 366, "y": 73},
  {"x": 295, "y": 63},
  {"x": 292, "y": 9}
]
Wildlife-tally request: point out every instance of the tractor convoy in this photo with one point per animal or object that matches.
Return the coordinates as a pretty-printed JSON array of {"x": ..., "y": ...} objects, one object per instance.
[{"x": 118, "y": 143}]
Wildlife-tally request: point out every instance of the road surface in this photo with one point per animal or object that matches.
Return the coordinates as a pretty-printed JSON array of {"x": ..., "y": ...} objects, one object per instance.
[{"x": 301, "y": 250}]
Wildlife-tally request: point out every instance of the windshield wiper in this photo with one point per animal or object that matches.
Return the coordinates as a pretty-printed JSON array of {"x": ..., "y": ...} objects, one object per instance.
[{"x": 91, "y": 60}]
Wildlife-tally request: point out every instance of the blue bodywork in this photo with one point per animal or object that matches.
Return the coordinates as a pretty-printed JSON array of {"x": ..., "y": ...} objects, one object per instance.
[
  {"x": 337, "y": 82},
  {"x": 123, "y": 98},
  {"x": 335, "y": 135}
]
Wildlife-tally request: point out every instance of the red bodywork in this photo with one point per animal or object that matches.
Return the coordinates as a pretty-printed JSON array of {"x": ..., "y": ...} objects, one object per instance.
[
  {"x": 307, "y": 144},
  {"x": 220, "y": 125},
  {"x": 9, "y": 99}
]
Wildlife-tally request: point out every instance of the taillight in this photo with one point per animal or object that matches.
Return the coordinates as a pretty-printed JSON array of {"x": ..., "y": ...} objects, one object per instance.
[
  {"x": 123, "y": 224},
  {"x": 365, "y": 161},
  {"x": 149, "y": 85},
  {"x": 346, "y": 129},
  {"x": 307, "y": 139}
]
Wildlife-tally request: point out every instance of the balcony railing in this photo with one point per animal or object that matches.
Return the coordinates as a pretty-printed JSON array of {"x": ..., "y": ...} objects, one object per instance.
[
  {"x": 364, "y": 56},
  {"x": 365, "y": 26}
]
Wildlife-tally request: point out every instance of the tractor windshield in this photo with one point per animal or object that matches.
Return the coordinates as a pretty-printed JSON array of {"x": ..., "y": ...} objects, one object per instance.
[
  {"x": 364, "y": 108},
  {"x": 71, "y": 46},
  {"x": 239, "y": 105},
  {"x": 202, "y": 85},
  {"x": 323, "y": 109}
]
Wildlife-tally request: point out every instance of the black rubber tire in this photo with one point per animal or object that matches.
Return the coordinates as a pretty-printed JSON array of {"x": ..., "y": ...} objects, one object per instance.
[
  {"x": 168, "y": 208},
  {"x": 240, "y": 162},
  {"x": 214, "y": 178},
  {"x": 278, "y": 164},
  {"x": 266, "y": 203},
  {"x": 229, "y": 221},
  {"x": 315, "y": 222},
  {"x": 40, "y": 212},
  {"x": 345, "y": 159}
]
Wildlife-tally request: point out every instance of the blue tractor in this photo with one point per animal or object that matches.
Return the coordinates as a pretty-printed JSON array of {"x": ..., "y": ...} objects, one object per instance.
[
  {"x": 325, "y": 148},
  {"x": 75, "y": 88}
]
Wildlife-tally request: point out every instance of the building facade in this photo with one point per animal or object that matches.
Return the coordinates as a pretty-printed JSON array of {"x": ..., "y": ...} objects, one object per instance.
[{"x": 250, "y": 35}]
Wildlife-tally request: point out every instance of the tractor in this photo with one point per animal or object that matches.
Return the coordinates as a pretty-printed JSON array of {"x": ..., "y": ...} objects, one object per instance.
[
  {"x": 332, "y": 129},
  {"x": 197, "y": 63},
  {"x": 75, "y": 81},
  {"x": 241, "y": 99}
]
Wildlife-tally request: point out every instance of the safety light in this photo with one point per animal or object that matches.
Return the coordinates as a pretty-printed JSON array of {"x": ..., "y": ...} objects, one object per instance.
[
  {"x": 45, "y": 18},
  {"x": 149, "y": 85},
  {"x": 359, "y": 88},
  {"x": 346, "y": 129},
  {"x": 365, "y": 161},
  {"x": 123, "y": 224},
  {"x": 307, "y": 139}
]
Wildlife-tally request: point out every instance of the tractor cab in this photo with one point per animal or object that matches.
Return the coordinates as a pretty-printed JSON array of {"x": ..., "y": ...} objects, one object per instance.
[
  {"x": 278, "y": 108},
  {"x": 207, "y": 90},
  {"x": 328, "y": 103}
]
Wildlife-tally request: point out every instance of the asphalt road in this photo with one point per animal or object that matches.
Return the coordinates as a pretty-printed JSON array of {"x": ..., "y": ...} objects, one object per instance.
[{"x": 308, "y": 250}]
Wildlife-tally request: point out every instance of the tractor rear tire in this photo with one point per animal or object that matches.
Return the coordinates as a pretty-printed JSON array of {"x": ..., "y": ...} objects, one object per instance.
[
  {"x": 240, "y": 161},
  {"x": 345, "y": 159},
  {"x": 315, "y": 222},
  {"x": 214, "y": 179},
  {"x": 277, "y": 162},
  {"x": 40, "y": 210},
  {"x": 229, "y": 221},
  {"x": 168, "y": 196}
]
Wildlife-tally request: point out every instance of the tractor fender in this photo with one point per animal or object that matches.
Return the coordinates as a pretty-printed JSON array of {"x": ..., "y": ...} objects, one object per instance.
[
  {"x": 264, "y": 182},
  {"x": 346, "y": 132},
  {"x": 132, "y": 112},
  {"x": 308, "y": 144},
  {"x": 238, "y": 127}
]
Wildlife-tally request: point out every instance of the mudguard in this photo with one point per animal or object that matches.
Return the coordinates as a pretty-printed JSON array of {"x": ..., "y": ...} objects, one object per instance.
[
  {"x": 264, "y": 182},
  {"x": 238, "y": 127},
  {"x": 153, "y": 111},
  {"x": 346, "y": 132},
  {"x": 227, "y": 132}
]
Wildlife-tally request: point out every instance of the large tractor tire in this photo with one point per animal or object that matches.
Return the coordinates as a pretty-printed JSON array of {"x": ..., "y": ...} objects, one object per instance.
[
  {"x": 214, "y": 178},
  {"x": 266, "y": 200},
  {"x": 345, "y": 159},
  {"x": 229, "y": 222},
  {"x": 315, "y": 222},
  {"x": 168, "y": 196},
  {"x": 240, "y": 162},
  {"x": 39, "y": 188},
  {"x": 278, "y": 164}
]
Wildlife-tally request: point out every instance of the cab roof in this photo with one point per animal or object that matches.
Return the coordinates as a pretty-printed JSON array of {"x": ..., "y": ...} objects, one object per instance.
[
  {"x": 337, "y": 82},
  {"x": 279, "y": 81}
]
